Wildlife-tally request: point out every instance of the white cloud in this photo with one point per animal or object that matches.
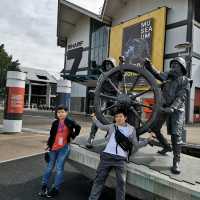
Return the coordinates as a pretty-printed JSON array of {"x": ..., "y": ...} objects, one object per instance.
[{"x": 28, "y": 30}]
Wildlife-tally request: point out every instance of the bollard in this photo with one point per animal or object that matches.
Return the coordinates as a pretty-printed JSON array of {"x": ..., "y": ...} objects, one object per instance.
[
  {"x": 14, "y": 102},
  {"x": 63, "y": 93}
]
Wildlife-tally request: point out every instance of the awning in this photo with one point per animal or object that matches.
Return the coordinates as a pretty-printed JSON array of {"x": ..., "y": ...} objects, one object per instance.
[
  {"x": 86, "y": 80},
  {"x": 111, "y": 8}
]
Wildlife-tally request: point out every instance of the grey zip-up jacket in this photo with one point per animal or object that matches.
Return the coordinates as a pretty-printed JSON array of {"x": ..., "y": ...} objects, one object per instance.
[{"x": 111, "y": 129}]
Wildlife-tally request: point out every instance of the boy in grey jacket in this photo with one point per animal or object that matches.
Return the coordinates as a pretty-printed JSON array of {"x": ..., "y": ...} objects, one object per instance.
[{"x": 113, "y": 156}]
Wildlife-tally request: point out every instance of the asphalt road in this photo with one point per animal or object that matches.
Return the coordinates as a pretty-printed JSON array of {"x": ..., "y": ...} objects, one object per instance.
[{"x": 21, "y": 179}]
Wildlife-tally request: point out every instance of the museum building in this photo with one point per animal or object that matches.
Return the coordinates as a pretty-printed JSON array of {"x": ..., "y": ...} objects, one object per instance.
[{"x": 160, "y": 30}]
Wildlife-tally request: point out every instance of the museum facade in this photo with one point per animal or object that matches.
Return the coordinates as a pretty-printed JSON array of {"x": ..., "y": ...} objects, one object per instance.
[{"x": 160, "y": 30}]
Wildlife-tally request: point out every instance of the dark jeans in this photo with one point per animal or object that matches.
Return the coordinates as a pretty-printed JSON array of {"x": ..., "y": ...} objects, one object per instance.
[{"x": 108, "y": 162}]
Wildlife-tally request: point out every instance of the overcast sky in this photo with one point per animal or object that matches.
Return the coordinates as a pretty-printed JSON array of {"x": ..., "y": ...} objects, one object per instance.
[{"x": 28, "y": 30}]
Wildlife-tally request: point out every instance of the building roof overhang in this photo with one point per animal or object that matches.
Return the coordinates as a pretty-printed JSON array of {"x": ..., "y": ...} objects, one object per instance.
[
  {"x": 68, "y": 17},
  {"x": 38, "y": 75},
  {"x": 111, "y": 8}
]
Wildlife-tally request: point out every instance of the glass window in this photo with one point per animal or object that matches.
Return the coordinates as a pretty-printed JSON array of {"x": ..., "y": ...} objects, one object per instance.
[
  {"x": 93, "y": 40},
  {"x": 197, "y": 9},
  {"x": 101, "y": 34},
  {"x": 96, "y": 39},
  {"x": 99, "y": 42}
]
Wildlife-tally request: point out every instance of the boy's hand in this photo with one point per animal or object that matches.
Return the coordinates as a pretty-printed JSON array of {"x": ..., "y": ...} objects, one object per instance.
[
  {"x": 151, "y": 140},
  {"x": 47, "y": 148},
  {"x": 93, "y": 116}
]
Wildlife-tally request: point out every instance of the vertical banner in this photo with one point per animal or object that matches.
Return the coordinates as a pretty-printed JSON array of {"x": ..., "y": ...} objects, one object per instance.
[
  {"x": 137, "y": 42},
  {"x": 15, "y": 101}
]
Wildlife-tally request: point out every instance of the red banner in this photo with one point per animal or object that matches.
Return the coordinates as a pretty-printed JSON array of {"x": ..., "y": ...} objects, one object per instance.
[{"x": 15, "y": 100}]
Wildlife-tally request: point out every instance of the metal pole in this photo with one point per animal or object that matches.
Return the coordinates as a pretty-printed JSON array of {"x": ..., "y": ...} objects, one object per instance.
[
  {"x": 188, "y": 61},
  {"x": 29, "y": 94}
]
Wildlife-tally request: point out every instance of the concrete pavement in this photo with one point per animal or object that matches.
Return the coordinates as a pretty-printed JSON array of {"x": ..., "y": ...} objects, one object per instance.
[
  {"x": 17, "y": 148},
  {"x": 21, "y": 180},
  {"x": 41, "y": 120},
  {"x": 22, "y": 166}
]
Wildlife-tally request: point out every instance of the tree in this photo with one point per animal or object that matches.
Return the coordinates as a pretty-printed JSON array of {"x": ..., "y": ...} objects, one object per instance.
[
  {"x": 5, "y": 63},
  {"x": 14, "y": 66}
]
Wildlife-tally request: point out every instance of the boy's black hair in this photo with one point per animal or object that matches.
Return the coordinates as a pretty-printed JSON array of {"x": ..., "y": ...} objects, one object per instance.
[
  {"x": 61, "y": 107},
  {"x": 120, "y": 111}
]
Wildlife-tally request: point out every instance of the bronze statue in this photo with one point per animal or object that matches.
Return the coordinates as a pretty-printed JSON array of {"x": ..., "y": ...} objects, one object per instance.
[{"x": 175, "y": 86}]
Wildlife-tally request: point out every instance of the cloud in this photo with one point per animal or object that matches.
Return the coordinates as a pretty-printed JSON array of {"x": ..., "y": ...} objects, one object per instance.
[{"x": 28, "y": 30}]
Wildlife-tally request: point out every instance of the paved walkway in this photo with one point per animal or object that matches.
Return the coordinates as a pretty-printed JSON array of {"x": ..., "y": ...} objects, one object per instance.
[
  {"x": 33, "y": 141},
  {"x": 41, "y": 121},
  {"x": 21, "y": 180},
  {"x": 22, "y": 165}
]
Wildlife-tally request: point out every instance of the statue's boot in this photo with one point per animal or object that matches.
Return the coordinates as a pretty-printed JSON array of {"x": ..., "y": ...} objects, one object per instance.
[
  {"x": 89, "y": 144},
  {"x": 175, "y": 169},
  {"x": 163, "y": 141},
  {"x": 93, "y": 131},
  {"x": 165, "y": 150}
]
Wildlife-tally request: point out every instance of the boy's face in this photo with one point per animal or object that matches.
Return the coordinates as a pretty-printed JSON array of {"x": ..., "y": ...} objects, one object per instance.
[
  {"x": 120, "y": 119},
  {"x": 61, "y": 114}
]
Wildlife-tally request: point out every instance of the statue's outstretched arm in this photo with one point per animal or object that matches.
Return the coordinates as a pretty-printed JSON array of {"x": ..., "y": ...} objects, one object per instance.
[{"x": 161, "y": 76}]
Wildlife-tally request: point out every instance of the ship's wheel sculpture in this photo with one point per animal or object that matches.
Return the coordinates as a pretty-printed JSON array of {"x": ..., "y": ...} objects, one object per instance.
[{"x": 128, "y": 86}]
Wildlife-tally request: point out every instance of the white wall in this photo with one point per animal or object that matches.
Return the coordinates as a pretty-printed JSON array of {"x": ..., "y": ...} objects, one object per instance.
[
  {"x": 80, "y": 33},
  {"x": 166, "y": 64},
  {"x": 196, "y": 39},
  {"x": 177, "y": 11},
  {"x": 173, "y": 37},
  {"x": 195, "y": 74}
]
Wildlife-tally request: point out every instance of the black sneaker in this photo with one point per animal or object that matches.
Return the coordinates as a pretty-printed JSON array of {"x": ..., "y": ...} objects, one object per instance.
[
  {"x": 52, "y": 193},
  {"x": 89, "y": 144},
  {"x": 44, "y": 191},
  {"x": 165, "y": 150}
]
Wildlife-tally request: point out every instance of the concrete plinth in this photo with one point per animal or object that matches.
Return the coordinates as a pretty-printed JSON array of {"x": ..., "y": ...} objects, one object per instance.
[
  {"x": 148, "y": 175},
  {"x": 12, "y": 126}
]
